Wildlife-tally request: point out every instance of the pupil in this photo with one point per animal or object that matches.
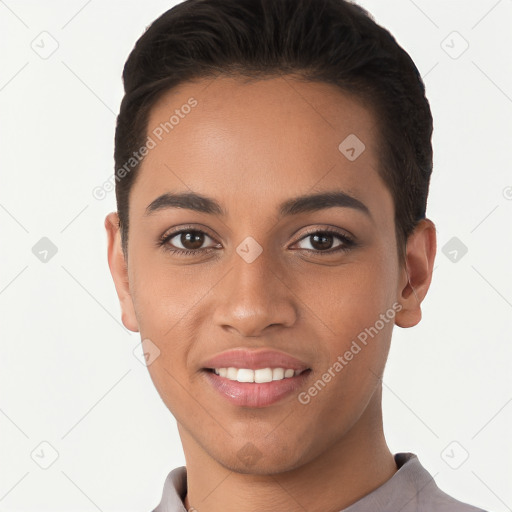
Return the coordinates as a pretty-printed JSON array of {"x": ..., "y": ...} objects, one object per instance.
[
  {"x": 327, "y": 241},
  {"x": 192, "y": 237}
]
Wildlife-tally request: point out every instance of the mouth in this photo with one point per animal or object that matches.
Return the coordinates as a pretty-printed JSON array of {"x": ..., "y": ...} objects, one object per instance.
[{"x": 256, "y": 388}]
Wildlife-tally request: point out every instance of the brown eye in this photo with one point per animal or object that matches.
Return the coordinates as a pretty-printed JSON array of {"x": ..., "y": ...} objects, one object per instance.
[
  {"x": 324, "y": 242},
  {"x": 186, "y": 242},
  {"x": 192, "y": 239},
  {"x": 321, "y": 241}
]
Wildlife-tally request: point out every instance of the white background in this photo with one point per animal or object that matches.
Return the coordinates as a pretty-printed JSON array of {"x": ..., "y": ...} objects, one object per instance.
[{"x": 68, "y": 373}]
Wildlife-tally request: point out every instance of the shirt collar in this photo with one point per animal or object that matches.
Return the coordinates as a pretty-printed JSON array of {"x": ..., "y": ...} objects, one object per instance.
[
  {"x": 175, "y": 488},
  {"x": 400, "y": 492}
]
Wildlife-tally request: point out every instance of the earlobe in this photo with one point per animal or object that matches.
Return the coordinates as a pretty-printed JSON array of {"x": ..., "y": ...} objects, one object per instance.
[
  {"x": 417, "y": 274},
  {"x": 119, "y": 272}
]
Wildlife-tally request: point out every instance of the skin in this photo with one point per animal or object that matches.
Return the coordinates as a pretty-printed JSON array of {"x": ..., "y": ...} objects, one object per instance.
[{"x": 252, "y": 146}]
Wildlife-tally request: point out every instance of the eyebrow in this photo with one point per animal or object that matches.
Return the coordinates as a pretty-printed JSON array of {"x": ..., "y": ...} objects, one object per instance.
[{"x": 293, "y": 206}]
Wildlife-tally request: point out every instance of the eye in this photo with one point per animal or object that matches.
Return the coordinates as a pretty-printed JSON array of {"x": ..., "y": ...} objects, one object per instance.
[
  {"x": 323, "y": 241},
  {"x": 186, "y": 242}
]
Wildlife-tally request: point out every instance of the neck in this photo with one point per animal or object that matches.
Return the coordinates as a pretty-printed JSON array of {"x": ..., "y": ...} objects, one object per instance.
[{"x": 352, "y": 467}]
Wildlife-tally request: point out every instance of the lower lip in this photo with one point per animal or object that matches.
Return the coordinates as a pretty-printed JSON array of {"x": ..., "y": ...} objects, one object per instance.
[{"x": 252, "y": 394}]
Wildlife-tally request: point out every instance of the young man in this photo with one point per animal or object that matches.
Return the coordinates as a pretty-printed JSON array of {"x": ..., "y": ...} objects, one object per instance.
[{"x": 273, "y": 160}]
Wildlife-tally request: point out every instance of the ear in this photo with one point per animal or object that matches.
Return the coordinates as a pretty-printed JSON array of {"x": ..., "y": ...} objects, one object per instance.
[
  {"x": 119, "y": 271},
  {"x": 417, "y": 274}
]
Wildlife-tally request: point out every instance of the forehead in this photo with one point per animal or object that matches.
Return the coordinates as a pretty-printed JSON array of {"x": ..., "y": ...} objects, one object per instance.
[{"x": 261, "y": 140}]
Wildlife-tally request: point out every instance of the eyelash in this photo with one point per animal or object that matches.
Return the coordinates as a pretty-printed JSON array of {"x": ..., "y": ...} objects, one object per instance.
[{"x": 347, "y": 242}]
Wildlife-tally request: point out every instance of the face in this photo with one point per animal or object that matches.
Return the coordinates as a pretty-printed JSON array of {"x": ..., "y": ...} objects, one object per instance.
[{"x": 258, "y": 277}]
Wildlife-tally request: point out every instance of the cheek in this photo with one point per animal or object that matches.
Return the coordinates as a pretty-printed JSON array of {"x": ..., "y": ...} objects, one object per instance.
[
  {"x": 164, "y": 294},
  {"x": 355, "y": 306},
  {"x": 164, "y": 306},
  {"x": 351, "y": 297},
  {"x": 166, "y": 303},
  {"x": 356, "y": 349}
]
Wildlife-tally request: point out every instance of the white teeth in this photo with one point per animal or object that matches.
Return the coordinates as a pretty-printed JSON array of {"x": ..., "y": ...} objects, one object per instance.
[
  {"x": 231, "y": 373},
  {"x": 260, "y": 375},
  {"x": 245, "y": 375},
  {"x": 277, "y": 374},
  {"x": 263, "y": 375}
]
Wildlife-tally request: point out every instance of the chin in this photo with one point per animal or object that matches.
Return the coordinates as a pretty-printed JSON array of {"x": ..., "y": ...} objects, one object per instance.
[
  {"x": 259, "y": 468},
  {"x": 267, "y": 460}
]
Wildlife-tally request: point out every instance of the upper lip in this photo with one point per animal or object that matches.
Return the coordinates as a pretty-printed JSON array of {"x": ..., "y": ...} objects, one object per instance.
[{"x": 254, "y": 359}]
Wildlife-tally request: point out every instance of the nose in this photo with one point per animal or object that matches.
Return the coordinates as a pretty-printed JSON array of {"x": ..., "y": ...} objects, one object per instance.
[{"x": 255, "y": 297}]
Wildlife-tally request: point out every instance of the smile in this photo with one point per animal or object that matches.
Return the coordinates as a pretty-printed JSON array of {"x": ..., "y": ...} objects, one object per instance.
[{"x": 245, "y": 387}]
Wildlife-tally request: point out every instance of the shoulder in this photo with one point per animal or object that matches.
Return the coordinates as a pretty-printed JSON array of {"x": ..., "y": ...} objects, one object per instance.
[
  {"x": 442, "y": 502},
  {"x": 428, "y": 496}
]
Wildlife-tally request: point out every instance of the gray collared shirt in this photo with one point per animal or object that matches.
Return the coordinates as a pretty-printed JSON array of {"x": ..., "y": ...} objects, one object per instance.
[{"x": 410, "y": 489}]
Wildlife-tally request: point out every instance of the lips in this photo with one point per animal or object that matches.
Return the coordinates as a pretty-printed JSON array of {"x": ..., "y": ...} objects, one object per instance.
[{"x": 220, "y": 370}]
